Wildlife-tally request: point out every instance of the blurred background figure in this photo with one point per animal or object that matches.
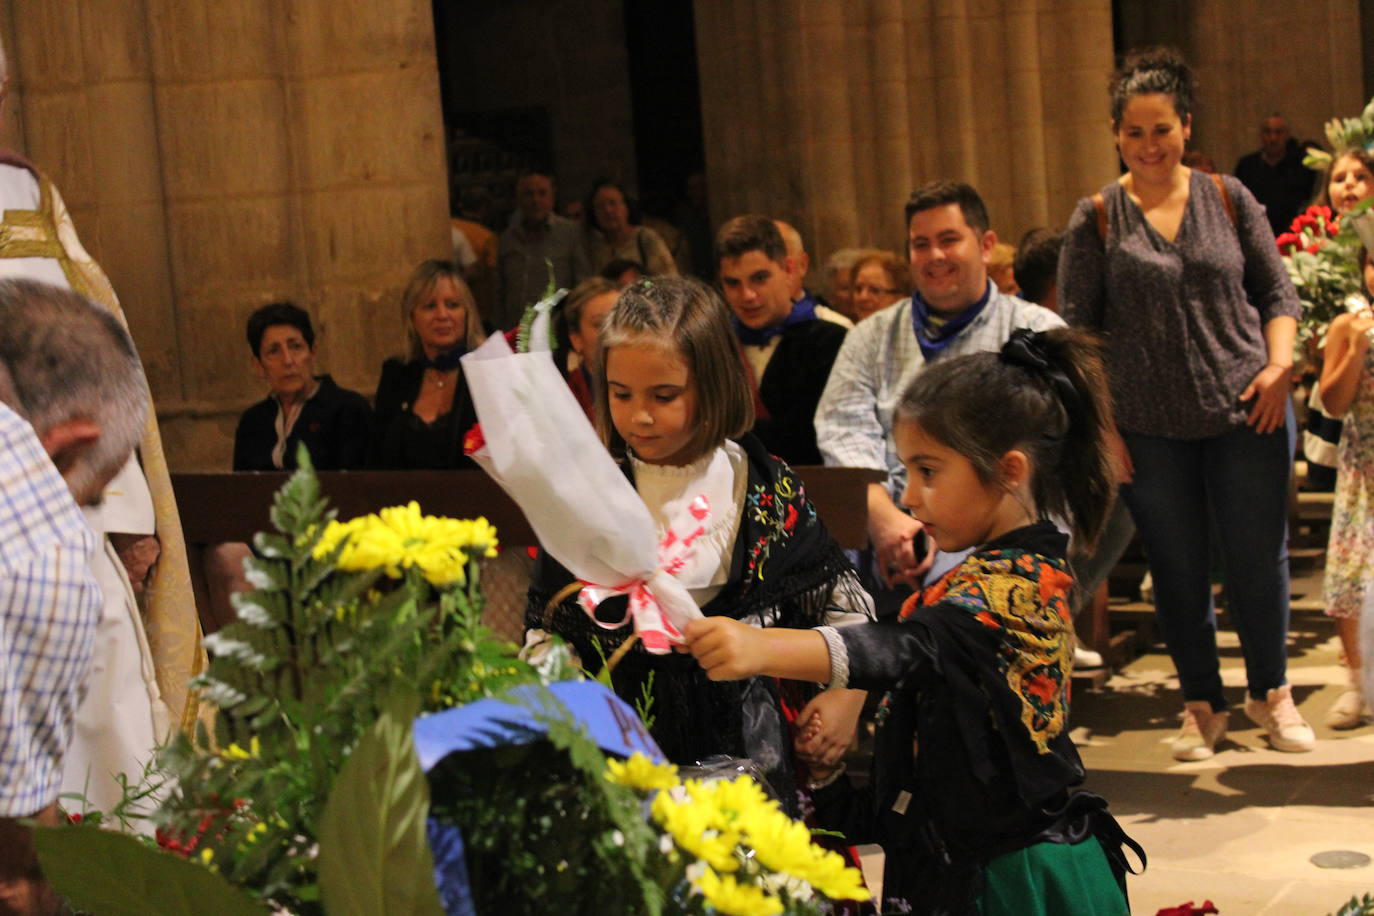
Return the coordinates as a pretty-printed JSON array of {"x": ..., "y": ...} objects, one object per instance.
[
  {"x": 613, "y": 232},
  {"x": 538, "y": 249},
  {"x": 1036, "y": 266},
  {"x": 622, "y": 272},
  {"x": 878, "y": 280},
  {"x": 1000, "y": 268}
]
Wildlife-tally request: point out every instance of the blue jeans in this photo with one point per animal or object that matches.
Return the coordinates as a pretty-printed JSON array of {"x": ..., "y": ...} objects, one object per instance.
[{"x": 1238, "y": 482}]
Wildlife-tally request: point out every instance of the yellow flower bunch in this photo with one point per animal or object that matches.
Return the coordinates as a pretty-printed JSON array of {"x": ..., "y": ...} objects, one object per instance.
[
  {"x": 729, "y": 896},
  {"x": 639, "y": 772},
  {"x": 712, "y": 820},
  {"x": 400, "y": 537}
]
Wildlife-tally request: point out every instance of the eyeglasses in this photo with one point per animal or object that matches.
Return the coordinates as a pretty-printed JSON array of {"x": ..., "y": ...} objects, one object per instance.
[{"x": 864, "y": 288}]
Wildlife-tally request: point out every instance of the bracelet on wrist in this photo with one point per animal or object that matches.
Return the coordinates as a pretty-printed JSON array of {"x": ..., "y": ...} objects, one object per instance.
[{"x": 825, "y": 781}]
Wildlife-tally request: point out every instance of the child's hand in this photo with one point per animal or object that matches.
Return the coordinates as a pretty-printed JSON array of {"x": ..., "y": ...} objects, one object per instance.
[
  {"x": 829, "y": 724},
  {"x": 727, "y": 649}
]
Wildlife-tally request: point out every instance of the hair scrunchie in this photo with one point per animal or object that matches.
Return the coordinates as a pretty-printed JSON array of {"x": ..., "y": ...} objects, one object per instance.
[{"x": 1026, "y": 348}]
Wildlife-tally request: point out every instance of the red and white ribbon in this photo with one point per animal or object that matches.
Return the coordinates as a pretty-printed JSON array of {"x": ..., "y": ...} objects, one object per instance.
[{"x": 659, "y": 605}]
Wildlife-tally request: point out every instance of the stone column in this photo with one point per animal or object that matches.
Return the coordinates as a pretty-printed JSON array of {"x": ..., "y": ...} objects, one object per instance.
[
  {"x": 218, "y": 156},
  {"x": 829, "y": 113}
]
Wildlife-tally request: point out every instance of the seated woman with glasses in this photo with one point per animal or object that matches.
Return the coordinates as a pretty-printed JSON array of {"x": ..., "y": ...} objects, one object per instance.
[{"x": 878, "y": 280}]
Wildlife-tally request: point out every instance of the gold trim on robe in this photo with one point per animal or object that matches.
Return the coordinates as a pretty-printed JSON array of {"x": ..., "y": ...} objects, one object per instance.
[{"x": 169, "y": 608}]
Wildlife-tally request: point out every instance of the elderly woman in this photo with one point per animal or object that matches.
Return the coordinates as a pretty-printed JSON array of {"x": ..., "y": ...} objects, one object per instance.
[
  {"x": 422, "y": 408},
  {"x": 302, "y": 408},
  {"x": 612, "y": 234},
  {"x": 878, "y": 279}
]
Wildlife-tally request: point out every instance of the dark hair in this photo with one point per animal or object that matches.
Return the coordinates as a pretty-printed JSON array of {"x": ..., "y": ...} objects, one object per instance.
[
  {"x": 278, "y": 313},
  {"x": 750, "y": 232},
  {"x": 618, "y": 266},
  {"x": 631, "y": 205},
  {"x": 1145, "y": 71},
  {"x": 1064, "y": 434},
  {"x": 1037, "y": 263},
  {"x": 938, "y": 193},
  {"x": 1365, "y": 159},
  {"x": 688, "y": 317}
]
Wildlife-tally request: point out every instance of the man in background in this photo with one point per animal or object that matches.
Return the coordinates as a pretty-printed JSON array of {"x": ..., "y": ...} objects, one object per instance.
[{"x": 1275, "y": 173}]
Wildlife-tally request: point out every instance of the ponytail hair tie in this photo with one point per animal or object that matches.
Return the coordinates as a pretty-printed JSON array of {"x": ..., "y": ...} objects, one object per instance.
[{"x": 1026, "y": 348}]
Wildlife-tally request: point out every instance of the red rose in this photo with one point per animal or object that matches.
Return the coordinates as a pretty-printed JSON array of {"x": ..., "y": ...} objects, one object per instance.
[{"x": 474, "y": 440}]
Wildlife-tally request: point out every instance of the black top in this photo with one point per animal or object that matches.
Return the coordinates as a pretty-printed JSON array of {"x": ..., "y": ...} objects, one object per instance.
[
  {"x": 1285, "y": 189},
  {"x": 335, "y": 426},
  {"x": 978, "y": 784},
  {"x": 401, "y": 440},
  {"x": 791, "y": 388}
]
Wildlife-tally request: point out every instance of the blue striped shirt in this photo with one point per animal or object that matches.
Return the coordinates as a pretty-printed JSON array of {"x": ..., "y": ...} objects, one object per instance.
[{"x": 49, "y": 608}]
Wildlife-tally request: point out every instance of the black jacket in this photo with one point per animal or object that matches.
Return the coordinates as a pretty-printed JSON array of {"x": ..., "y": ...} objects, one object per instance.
[
  {"x": 791, "y": 388},
  {"x": 335, "y": 425}
]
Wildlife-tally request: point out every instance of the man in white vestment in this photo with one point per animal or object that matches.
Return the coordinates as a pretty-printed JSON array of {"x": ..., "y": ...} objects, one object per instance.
[{"x": 146, "y": 650}]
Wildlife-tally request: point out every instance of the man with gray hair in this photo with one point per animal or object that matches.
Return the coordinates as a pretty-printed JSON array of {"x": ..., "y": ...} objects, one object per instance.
[{"x": 72, "y": 408}]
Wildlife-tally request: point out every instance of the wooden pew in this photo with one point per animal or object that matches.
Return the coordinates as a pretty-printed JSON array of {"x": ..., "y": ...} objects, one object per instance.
[{"x": 216, "y": 508}]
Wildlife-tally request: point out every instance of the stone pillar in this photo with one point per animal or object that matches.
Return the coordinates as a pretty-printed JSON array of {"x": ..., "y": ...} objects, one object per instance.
[
  {"x": 218, "y": 156},
  {"x": 829, "y": 113},
  {"x": 1303, "y": 60}
]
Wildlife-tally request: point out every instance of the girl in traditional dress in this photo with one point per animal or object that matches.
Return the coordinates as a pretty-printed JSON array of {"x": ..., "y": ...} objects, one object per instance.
[
  {"x": 673, "y": 405},
  {"x": 979, "y": 817},
  {"x": 1347, "y": 386}
]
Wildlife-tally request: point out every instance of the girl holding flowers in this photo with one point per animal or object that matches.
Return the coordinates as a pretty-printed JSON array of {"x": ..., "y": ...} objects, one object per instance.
[
  {"x": 673, "y": 404},
  {"x": 976, "y": 669}
]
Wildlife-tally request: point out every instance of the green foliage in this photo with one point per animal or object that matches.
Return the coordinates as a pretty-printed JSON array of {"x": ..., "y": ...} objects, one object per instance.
[
  {"x": 374, "y": 852},
  {"x": 299, "y": 680},
  {"x": 1358, "y": 906},
  {"x": 117, "y": 875}
]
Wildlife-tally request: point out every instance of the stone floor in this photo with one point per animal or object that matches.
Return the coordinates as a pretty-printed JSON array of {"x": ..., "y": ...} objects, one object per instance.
[{"x": 1239, "y": 829}]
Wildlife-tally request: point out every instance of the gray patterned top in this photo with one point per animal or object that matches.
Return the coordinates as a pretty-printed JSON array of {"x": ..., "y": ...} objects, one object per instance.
[{"x": 1184, "y": 319}]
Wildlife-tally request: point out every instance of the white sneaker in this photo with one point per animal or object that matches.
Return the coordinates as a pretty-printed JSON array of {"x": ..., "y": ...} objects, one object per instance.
[
  {"x": 1083, "y": 657},
  {"x": 1349, "y": 710},
  {"x": 1202, "y": 729},
  {"x": 1286, "y": 728}
]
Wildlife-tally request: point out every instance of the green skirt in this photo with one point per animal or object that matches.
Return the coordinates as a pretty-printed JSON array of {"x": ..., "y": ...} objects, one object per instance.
[{"x": 1052, "y": 879}]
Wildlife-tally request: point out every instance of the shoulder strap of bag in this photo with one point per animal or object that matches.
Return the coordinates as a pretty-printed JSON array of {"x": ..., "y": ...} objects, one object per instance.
[
  {"x": 1226, "y": 201},
  {"x": 1100, "y": 206}
]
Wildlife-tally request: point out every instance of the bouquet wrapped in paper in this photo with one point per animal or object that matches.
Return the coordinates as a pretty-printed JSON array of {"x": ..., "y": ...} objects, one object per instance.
[{"x": 535, "y": 441}]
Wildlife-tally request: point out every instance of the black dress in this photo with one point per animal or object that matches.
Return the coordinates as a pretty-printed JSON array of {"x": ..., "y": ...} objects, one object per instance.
[{"x": 401, "y": 440}]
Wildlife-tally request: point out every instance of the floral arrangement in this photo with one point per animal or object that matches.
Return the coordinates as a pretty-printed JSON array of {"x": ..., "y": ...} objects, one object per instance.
[
  {"x": 307, "y": 796},
  {"x": 1344, "y": 134},
  {"x": 1321, "y": 252},
  {"x": 737, "y": 848}
]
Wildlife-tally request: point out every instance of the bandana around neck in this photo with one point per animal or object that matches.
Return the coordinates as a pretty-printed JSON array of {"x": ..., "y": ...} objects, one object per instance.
[
  {"x": 444, "y": 362},
  {"x": 933, "y": 341},
  {"x": 804, "y": 309}
]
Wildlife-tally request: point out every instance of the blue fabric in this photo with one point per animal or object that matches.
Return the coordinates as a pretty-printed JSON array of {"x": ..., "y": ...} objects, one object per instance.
[
  {"x": 804, "y": 309},
  {"x": 920, "y": 323},
  {"x": 450, "y": 869},
  {"x": 1236, "y": 486}
]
